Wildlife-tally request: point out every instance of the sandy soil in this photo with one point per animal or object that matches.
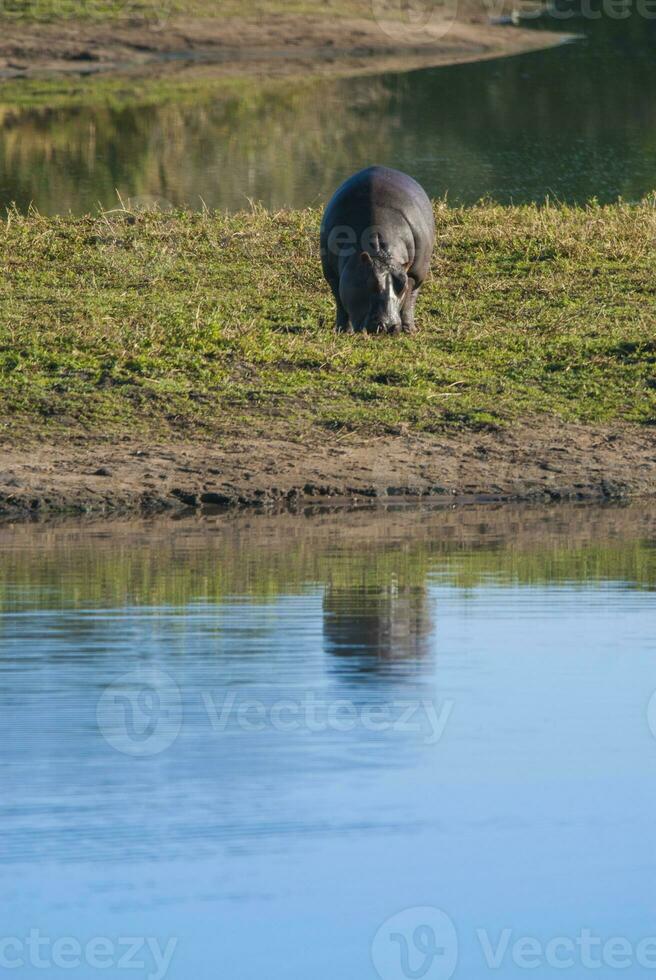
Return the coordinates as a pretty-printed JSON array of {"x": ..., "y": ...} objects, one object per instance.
[
  {"x": 281, "y": 45},
  {"x": 545, "y": 460}
]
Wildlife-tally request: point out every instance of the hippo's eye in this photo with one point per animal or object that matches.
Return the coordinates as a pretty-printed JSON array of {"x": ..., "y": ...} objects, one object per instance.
[{"x": 399, "y": 280}]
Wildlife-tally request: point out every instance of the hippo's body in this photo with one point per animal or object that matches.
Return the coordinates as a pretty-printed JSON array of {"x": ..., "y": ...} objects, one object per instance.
[{"x": 377, "y": 238}]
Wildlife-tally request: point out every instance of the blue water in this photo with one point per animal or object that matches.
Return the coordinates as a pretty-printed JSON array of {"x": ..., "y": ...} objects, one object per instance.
[{"x": 202, "y": 746}]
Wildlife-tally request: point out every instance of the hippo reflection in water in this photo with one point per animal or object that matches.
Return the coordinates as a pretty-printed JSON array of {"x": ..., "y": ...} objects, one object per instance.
[
  {"x": 375, "y": 625},
  {"x": 377, "y": 238}
]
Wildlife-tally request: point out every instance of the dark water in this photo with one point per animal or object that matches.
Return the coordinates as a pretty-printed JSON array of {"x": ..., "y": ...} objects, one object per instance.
[
  {"x": 354, "y": 746},
  {"x": 572, "y": 123}
]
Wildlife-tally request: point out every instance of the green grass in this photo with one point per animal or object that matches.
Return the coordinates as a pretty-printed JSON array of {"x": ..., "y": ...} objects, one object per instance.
[
  {"x": 194, "y": 324},
  {"x": 116, "y": 91},
  {"x": 158, "y": 10}
]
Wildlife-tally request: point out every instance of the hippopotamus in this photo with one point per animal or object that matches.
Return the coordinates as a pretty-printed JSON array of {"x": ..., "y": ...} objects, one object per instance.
[{"x": 377, "y": 238}]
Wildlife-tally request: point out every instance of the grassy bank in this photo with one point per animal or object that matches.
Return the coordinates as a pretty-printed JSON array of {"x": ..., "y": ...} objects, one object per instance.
[
  {"x": 157, "y": 10},
  {"x": 193, "y": 324}
]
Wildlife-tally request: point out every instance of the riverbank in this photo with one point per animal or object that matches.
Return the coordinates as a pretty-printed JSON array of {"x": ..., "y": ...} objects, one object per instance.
[
  {"x": 280, "y": 41},
  {"x": 538, "y": 461},
  {"x": 183, "y": 359}
]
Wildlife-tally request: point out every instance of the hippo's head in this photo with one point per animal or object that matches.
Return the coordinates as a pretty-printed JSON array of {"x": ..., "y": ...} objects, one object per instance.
[{"x": 372, "y": 290}]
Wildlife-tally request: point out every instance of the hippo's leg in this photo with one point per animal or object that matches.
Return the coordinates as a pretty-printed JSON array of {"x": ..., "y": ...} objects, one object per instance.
[
  {"x": 408, "y": 311},
  {"x": 342, "y": 324}
]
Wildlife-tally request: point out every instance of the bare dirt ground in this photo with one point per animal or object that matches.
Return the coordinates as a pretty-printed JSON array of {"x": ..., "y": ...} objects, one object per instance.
[
  {"x": 541, "y": 460},
  {"x": 280, "y": 45}
]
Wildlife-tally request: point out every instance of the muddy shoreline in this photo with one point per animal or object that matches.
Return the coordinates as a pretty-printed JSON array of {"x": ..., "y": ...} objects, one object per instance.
[
  {"x": 280, "y": 45},
  {"x": 540, "y": 460}
]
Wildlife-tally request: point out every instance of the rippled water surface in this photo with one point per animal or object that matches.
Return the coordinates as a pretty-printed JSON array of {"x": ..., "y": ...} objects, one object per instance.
[
  {"x": 573, "y": 122},
  {"x": 261, "y": 739}
]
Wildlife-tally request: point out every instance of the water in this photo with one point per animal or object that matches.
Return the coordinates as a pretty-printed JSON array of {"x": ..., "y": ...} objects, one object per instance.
[
  {"x": 571, "y": 123},
  {"x": 275, "y": 747}
]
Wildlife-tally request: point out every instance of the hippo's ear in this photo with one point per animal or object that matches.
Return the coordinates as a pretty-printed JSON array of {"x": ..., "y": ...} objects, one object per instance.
[{"x": 365, "y": 258}]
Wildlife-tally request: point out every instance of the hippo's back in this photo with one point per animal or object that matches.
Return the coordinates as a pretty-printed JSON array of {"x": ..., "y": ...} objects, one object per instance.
[
  {"x": 381, "y": 197},
  {"x": 379, "y": 187}
]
